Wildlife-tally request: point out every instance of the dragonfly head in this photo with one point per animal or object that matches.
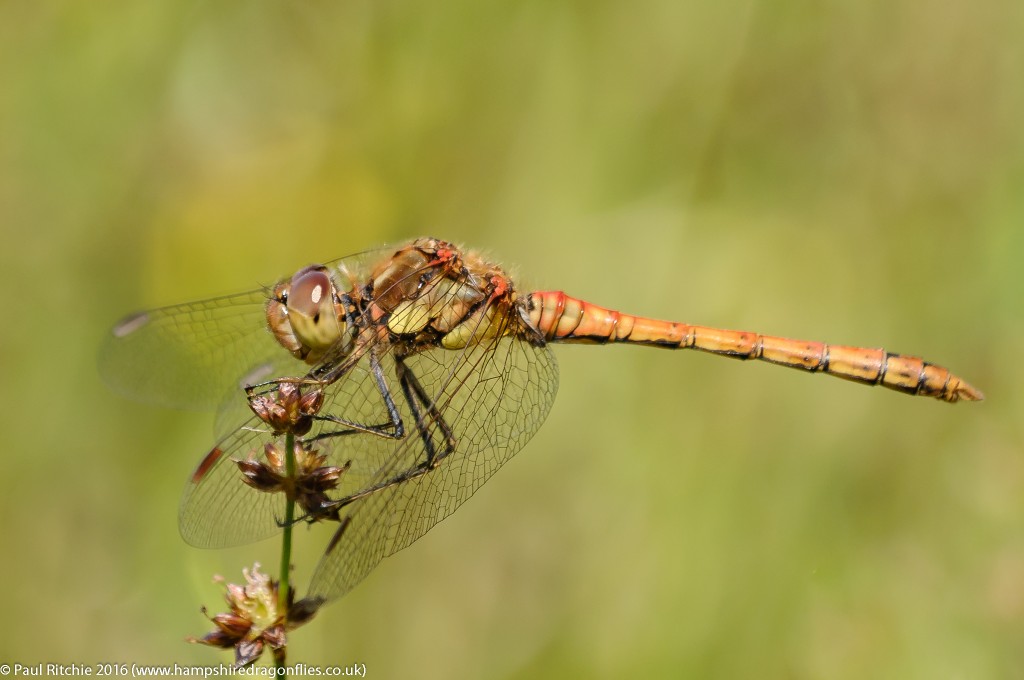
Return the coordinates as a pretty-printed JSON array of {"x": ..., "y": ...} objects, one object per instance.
[{"x": 304, "y": 315}]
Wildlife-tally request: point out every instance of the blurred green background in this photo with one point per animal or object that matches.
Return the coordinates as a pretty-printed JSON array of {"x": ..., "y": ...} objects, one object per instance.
[{"x": 842, "y": 171}]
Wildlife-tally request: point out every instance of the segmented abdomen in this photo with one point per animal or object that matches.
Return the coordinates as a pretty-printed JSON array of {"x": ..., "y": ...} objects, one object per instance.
[{"x": 561, "y": 318}]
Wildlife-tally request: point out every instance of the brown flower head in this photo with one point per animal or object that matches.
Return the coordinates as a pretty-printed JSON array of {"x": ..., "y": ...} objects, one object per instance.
[
  {"x": 255, "y": 619},
  {"x": 292, "y": 411},
  {"x": 308, "y": 487}
]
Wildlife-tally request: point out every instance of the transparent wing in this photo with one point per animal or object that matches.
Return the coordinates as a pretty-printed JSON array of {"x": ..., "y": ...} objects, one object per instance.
[
  {"x": 484, "y": 403},
  {"x": 219, "y": 510},
  {"x": 493, "y": 398},
  {"x": 218, "y": 346},
  {"x": 233, "y": 411},
  {"x": 193, "y": 355}
]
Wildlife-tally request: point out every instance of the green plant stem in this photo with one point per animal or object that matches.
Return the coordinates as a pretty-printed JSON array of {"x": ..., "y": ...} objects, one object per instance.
[{"x": 286, "y": 545}]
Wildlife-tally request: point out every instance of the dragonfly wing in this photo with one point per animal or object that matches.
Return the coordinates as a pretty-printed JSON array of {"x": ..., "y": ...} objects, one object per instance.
[
  {"x": 192, "y": 355},
  {"x": 219, "y": 510},
  {"x": 493, "y": 398},
  {"x": 233, "y": 410}
]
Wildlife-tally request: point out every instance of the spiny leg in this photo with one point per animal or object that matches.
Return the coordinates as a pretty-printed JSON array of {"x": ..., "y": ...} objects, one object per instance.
[
  {"x": 425, "y": 414},
  {"x": 394, "y": 429},
  {"x": 414, "y": 392}
]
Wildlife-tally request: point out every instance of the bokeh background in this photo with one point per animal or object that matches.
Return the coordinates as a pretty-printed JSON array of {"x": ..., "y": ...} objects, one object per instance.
[{"x": 847, "y": 171}]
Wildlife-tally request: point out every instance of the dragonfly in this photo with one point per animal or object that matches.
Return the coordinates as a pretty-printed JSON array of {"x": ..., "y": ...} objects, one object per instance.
[{"x": 419, "y": 370}]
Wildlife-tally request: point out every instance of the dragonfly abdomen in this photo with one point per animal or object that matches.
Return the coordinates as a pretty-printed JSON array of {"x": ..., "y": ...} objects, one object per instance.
[{"x": 561, "y": 318}]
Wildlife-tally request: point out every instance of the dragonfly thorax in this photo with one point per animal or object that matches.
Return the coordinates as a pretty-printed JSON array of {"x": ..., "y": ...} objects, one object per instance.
[{"x": 305, "y": 314}]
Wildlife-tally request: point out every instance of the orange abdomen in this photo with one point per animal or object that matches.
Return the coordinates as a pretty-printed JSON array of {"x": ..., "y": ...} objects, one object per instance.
[{"x": 561, "y": 318}]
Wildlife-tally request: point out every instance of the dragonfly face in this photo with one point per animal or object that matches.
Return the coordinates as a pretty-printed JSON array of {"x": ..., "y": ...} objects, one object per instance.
[{"x": 305, "y": 314}]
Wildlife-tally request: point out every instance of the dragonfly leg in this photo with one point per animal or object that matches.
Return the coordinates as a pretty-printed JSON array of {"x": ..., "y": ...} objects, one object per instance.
[
  {"x": 426, "y": 416},
  {"x": 268, "y": 386},
  {"x": 419, "y": 401},
  {"x": 406, "y": 475},
  {"x": 394, "y": 429},
  {"x": 343, "y": 525}
]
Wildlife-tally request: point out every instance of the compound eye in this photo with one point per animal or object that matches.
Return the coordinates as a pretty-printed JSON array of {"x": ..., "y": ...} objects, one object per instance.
[
  {"x": 309, "y": 290},
  {"x": 311, "y": 309}
]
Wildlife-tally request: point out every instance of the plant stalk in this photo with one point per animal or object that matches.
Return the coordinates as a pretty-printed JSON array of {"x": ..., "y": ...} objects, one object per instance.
[{"x": 286, "y": 546}]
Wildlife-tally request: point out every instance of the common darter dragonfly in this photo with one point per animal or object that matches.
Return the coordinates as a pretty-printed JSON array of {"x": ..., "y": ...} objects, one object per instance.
[{"x": 420, "y": 369}]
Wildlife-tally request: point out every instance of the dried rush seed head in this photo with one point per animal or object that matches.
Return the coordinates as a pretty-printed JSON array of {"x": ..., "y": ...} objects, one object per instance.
[
  {"x": 255, "y": 620},
  {"x": 308, "y": 487},
  {"x": 292, "y": 411}
]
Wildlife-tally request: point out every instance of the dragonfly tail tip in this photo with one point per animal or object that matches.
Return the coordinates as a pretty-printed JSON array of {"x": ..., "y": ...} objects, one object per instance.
[{"x": 967, "y": 392}]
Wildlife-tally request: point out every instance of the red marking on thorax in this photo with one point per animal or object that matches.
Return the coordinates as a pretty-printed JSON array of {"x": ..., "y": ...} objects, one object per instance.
[{"x": 501, "y": 286}]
